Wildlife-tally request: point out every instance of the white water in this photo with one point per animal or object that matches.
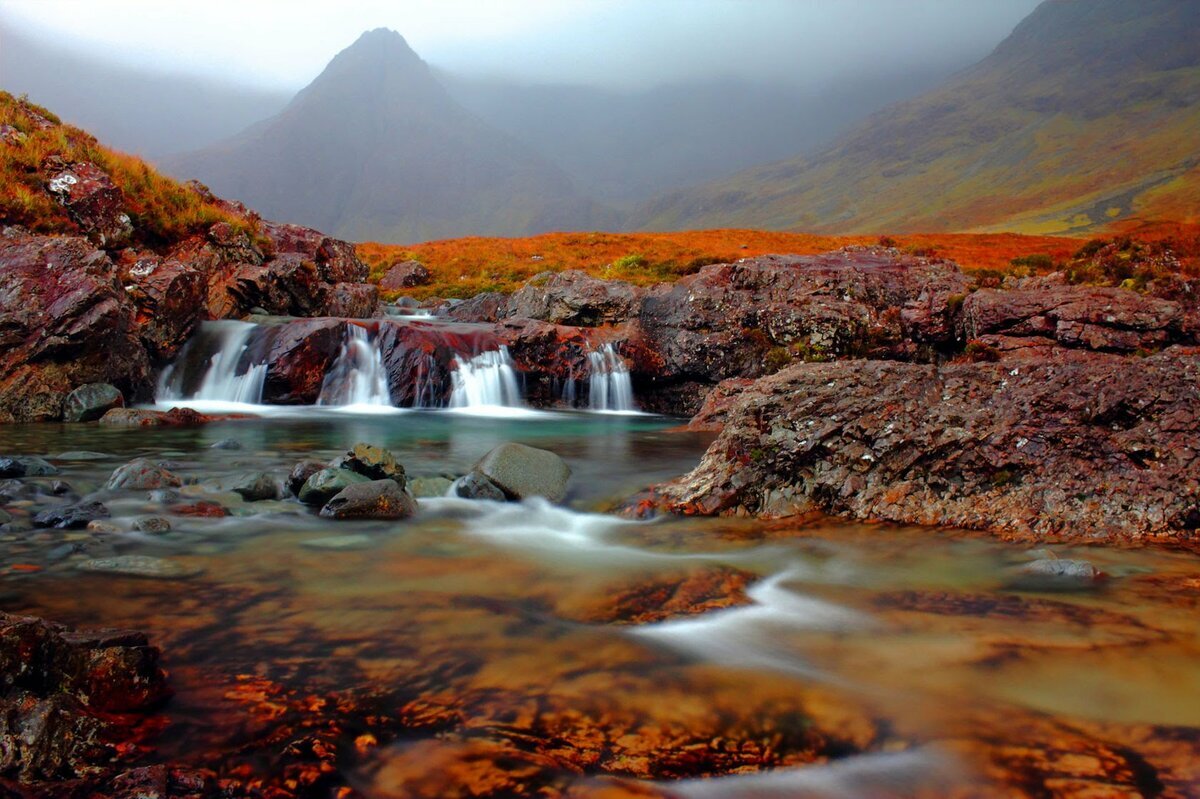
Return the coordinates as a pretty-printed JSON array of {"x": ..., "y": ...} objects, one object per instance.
[
  {"x": 486, "y": 384},
  {"x": 756, "y": 635},
  {"x": 222, "y": 383},
  {"x": 610, "y": 389},
  {"x": 358, "y": 380}
]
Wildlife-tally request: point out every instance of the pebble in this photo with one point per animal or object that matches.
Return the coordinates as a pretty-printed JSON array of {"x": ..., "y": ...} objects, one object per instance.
[{"x": 140, "y": 566}]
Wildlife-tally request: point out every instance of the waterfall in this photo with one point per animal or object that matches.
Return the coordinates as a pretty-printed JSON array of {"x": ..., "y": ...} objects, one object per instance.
[
  {"x": 486, "y": 380},
  {"x": 358, "y": 377},
  {"x": 609, "y": 386},
  {"x": 222, "y": 382}
]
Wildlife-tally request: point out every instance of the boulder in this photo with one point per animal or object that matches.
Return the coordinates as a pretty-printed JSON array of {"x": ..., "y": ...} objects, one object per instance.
[
  {"x": 352, "y": 301},
  {"x": 300, "y": 474},
  {"x": 575, "y": 298},
  {"x": 71, "y": 517},
  {"x": 324, "y": 485},
  {"x": 88, "y": 403},
  {"x": 255, "y": 487},
  {"x": 299, "y": 354},
  {"x": 374, "y": 499},
  {"x": 65, "y": 321},
  {"x": 142, "y": 475},
  {"x": 474, "y": 485},
  {"x": 170, "y": 296},
  {"x": 374, "y": 463},
  {"x": 487, "y": 307},
  {"x": 1075, "y": 444},
  {"x": 522, "y": 472},
  {"x": 405, "y": 275}
]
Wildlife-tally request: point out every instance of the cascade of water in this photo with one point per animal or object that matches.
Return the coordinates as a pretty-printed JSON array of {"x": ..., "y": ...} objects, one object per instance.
[
  {"x": 222, "y": 380},
  {"x": 487, "y": 380},
  {"x": 609, "y": 386},
  {"x": 358, "y": 376}
]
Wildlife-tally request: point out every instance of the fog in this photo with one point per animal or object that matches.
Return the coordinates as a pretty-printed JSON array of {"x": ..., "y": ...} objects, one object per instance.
[{"x": 611, "y": 44}]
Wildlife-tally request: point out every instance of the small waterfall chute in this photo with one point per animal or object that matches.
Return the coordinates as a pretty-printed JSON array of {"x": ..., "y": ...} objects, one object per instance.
[
  {"x": 485, "y": 382},
  {"x": 358, "y": 379},
  {"x": 610, "y": 389},
  {"x": 229, "y": 376}
]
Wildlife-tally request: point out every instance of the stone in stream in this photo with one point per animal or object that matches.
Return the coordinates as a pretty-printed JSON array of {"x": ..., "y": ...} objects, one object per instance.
[
  {"x": 71, "y": 517},
  {"x": 155, "y": 525},
  {"x": 11, "y": 467},
  {"x": 102, "y": 526},
  {"x": 142, "y": 475},
  {"x": 422, "y": 487},
  {"x": 90, "y": 402},
  {"x": 324, "y": 485},
  {"x": 522, "y": 471},
  {"x": 1057, "y": 574},
  {"x": 60, "y": 488},
  {"x": 37, "y": 467},
  {"x": 81, "y": 455},
  {"x": 374, "y": 463},
  {"x": 164, "y": 496},
  {"x": 255, "y": 487},
  {"x": 300, "y": 474},
  {"x": 140, "y": 566},
  {"x": 475, "y": 486},
  {"x": 376, "y": 499},
  {"x": 226, "y": 443},
  {"x": 339, "y": 542}
]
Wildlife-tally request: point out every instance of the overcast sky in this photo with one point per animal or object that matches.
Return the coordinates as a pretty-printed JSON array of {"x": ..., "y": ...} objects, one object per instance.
[{"x": 613, "y": 43}]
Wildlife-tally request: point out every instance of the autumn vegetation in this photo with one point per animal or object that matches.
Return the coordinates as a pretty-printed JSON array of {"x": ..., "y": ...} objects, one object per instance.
[
  {"x": 467, "y": 266},
  {"x": 161, "y": 210}
]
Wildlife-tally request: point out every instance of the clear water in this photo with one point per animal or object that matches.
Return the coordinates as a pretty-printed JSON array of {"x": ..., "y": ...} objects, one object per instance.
[{"x": 908, "y": 643}]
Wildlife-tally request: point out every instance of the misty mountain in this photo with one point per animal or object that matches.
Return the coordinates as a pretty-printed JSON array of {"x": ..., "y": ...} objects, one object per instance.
[
  {"x": 376, "y": 149},
  {"x": 630, "y": 146},
  {"x": 1087, "y": 113},
  {"x": 145, "y": 112}
]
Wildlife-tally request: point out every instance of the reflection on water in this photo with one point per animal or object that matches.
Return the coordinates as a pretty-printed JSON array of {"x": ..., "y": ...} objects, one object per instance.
[{"x": 830, "y": 659}]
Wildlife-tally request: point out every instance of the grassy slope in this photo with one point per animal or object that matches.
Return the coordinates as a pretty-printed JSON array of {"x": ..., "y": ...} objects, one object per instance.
[
  {"x": 1086, "y": 115},
  {"x": 162, "y": 210}
]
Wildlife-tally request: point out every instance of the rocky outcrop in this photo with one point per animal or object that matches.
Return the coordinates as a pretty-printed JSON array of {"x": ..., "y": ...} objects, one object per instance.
[
  {"x": 574, "y": 298},
  {"x": 65, "y": 321},
  {"x": 61, "y": 692},
  {"x": 1087, "y": 317},
  {"x": 91, "y": 199},
  {"x": 405, "y": 275},
  {"x": 72, "y": 314},
  {"x": 1075, "y": 444}
]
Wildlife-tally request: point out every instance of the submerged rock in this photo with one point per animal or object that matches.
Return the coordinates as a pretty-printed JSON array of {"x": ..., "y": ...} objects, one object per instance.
[
  {"x": 226, "y": 443},
  {"x": 522, "y": 471},
  {"x": 140, "y": 566},
  {"x": 154, "y": 525},
  {"x": 324, "y": 485},
  {"x": 142, "y": 475},
  {"x": 376, "y": 499},
  {"x": 71, "y": 517},
  {"x": 89, "y": 403},
  {"x": 255, "y": 487},
  {"x": 1057, "y": 574},
  {"x": 37, "y": 467},
  {"x": 339, "y": 542}
]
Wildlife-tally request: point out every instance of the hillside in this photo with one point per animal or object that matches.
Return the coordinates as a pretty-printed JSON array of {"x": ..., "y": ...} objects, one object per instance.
[
  {"x": 1085, "y": 115},
  {"x": 375, "y": 148}
]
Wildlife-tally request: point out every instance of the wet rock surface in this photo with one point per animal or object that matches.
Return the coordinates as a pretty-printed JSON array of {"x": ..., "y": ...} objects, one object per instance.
[
  {"x": 1086, "y": 446},
  {"x": 374, "y": 499},
  {"x": 521, "y": 472},
  {"x": 89, "y": 403}
]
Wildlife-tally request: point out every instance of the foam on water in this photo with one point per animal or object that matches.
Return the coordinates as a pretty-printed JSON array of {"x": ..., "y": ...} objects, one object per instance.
[{"x": 357, "y": 378}]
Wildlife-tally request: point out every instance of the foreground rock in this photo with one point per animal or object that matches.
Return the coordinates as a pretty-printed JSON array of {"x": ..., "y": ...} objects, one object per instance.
[
  {"x": 1077, "y": 444},
  {"x": 59, "y": 690},
  {"x": 88, "y": 403},
  {"x": 142, "y": 475},
  {"x": 375, "y": 499},
  {"x": 521, "y": 472}
]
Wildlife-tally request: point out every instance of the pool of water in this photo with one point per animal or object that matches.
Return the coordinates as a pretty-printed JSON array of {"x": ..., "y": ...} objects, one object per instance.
[{"x": 528, "y": 649}]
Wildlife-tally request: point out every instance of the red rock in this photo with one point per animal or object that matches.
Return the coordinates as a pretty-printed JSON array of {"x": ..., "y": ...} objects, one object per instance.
[
  {"x": 1110, "y": 319},
  {"x": 1077, "y": 444},
  {"x": 64, "y": 321},
  {"x": 170, "y": 297},
  {"x": 299, "y": 354},
  {"x": 405, "y": 275},
  {"x": 201, "y": 509},
  {"x": 92, "y": 201}
]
